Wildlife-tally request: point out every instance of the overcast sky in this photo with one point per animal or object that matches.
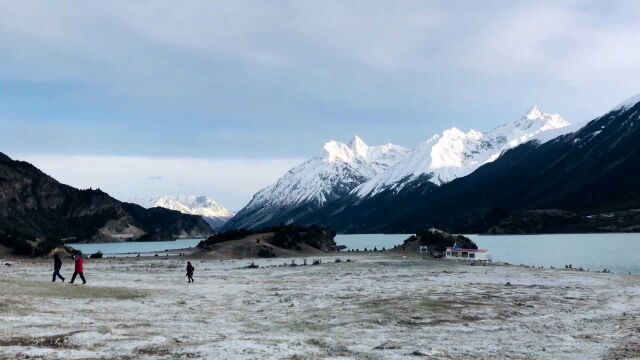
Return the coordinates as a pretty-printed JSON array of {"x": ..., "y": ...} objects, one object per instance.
[{"x": 221, "y": 97}]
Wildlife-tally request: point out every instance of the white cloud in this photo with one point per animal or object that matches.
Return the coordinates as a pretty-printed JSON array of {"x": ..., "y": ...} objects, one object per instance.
[{"x": 232, "y": 182}]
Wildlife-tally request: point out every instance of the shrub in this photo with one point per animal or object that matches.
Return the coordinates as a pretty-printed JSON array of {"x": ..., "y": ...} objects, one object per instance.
[
  {"x": 16, "y": 241},
  {"x": 96, "y": 255},
  {"x": 22, "y": 247},
  {"x": 266, "y": 252},
  {"x": 226, "y": 236}
]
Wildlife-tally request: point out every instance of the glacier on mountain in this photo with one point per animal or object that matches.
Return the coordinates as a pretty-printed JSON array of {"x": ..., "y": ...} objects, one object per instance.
[{"x": 455, "y": 153}]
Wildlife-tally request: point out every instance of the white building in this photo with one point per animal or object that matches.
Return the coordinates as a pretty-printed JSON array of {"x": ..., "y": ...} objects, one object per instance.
[{"x": 468, "y": 254}]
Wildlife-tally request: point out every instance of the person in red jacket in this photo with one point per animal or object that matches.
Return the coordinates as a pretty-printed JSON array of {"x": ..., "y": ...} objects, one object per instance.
[{"x": 79, "y": 270}]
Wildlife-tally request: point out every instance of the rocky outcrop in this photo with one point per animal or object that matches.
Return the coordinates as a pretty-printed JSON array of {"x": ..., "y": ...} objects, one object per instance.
[
  {"x": 437, "y": 242},
  {"x": 278, "y": 241}
]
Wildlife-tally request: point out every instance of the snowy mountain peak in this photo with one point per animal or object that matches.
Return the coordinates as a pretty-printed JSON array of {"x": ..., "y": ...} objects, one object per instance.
[
  {"x": 630, "y": 102},
  {"x": 536, "y": 118},
  {"x": 329, "y": 175},
  {"x": 214, "y": 213},
  {"x": 337, "y": 151},
  {"x": 195, "y": 205},
  {"x": 358, "y": 146},
  {"x": 456, "y": 153},
  {"x": 534, "y": 113}
]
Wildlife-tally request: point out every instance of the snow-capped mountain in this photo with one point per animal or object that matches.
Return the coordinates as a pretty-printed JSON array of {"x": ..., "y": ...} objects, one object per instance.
[
  {"x": 535, "y": 186},
  {"x": 456, "y": 153},
  {"x": 211, "y": 211},
  {"x": 329, "y": 175}
]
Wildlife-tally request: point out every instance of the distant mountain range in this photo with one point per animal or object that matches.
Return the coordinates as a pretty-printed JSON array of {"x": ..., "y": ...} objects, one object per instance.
[
  {"x": 34, "y": 205},
  {"x": 329, "y": 187},
  {"x": 211, "y": 211}
]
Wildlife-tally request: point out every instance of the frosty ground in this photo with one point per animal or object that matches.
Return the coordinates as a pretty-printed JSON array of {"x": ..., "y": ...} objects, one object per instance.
[{"x": 381, "y": 306}]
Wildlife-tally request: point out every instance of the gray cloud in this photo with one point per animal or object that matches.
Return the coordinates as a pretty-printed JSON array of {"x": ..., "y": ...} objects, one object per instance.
[{"x": 276, "y": 79}]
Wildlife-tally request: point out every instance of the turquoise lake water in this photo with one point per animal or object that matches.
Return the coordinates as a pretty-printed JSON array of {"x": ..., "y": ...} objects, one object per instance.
[
  {"x": 133, "y": 248},
  {"x": 616, "y": 252}
]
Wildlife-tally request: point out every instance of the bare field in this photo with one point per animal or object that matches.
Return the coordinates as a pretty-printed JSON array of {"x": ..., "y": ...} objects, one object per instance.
[{"x": 376, "y": 307}]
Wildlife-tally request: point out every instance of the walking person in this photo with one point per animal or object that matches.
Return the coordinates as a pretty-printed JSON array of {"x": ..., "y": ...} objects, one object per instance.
[
  {"x": 190, "y": 271},
  {"x": 79, "y": 270},
  {"x": 57, "y": 265}
]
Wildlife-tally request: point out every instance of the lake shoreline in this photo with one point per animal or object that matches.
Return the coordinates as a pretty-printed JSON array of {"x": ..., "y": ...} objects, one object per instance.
[{"x": 595, "y": 252}]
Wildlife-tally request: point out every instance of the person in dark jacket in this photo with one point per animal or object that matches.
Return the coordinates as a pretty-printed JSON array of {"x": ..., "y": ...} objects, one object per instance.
[
  {"x": 190, "y": 271},
  {"x": 79, "y": 270},
  {"x": 57, "y": 265}
]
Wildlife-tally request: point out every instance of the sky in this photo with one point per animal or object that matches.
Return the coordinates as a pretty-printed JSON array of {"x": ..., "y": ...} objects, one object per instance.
[{"x": 220, "y": 98}]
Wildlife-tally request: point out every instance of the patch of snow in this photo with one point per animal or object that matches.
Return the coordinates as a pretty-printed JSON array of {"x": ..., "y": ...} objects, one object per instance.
[{"x": 630, "y": 102}]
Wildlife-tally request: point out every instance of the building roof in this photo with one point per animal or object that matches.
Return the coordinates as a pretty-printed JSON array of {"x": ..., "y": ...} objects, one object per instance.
[{"x": 467, "y": 250}]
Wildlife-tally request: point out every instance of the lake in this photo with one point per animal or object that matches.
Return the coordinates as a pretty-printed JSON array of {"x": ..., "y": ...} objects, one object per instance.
[
  {"x": 616, "y": 252},
  {"x": 135, "y": 247}
]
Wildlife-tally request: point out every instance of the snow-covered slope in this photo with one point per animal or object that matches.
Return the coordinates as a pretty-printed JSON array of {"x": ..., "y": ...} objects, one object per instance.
[
  {"x": 212, "y": 212},
  {"x": 629, "y": 103},
  {"x": 456, "y": 153},
  {"x": 332, "y": 173}
]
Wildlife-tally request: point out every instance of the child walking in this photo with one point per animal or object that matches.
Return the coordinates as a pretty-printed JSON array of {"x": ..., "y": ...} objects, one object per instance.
[{"x": 190, "y": 271}]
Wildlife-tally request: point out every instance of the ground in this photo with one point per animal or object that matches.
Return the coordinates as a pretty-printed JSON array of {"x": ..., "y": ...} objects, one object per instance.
[{"x": 380, "y": 306}]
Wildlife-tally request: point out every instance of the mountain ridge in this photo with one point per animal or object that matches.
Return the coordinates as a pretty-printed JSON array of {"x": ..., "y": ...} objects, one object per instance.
[
  {"x": 34, "y": 205},
  {"x": 329, "y": 175},
  {"x": 455, "y": 153},
  {"x": 210, "y": 210},
  {"x": 589, "y": 171},
  {"x": 440, "y": 159}
]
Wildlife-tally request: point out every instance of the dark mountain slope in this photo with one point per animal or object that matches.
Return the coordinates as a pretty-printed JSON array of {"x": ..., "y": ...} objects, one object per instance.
[{"x": 34, "y": 205}]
